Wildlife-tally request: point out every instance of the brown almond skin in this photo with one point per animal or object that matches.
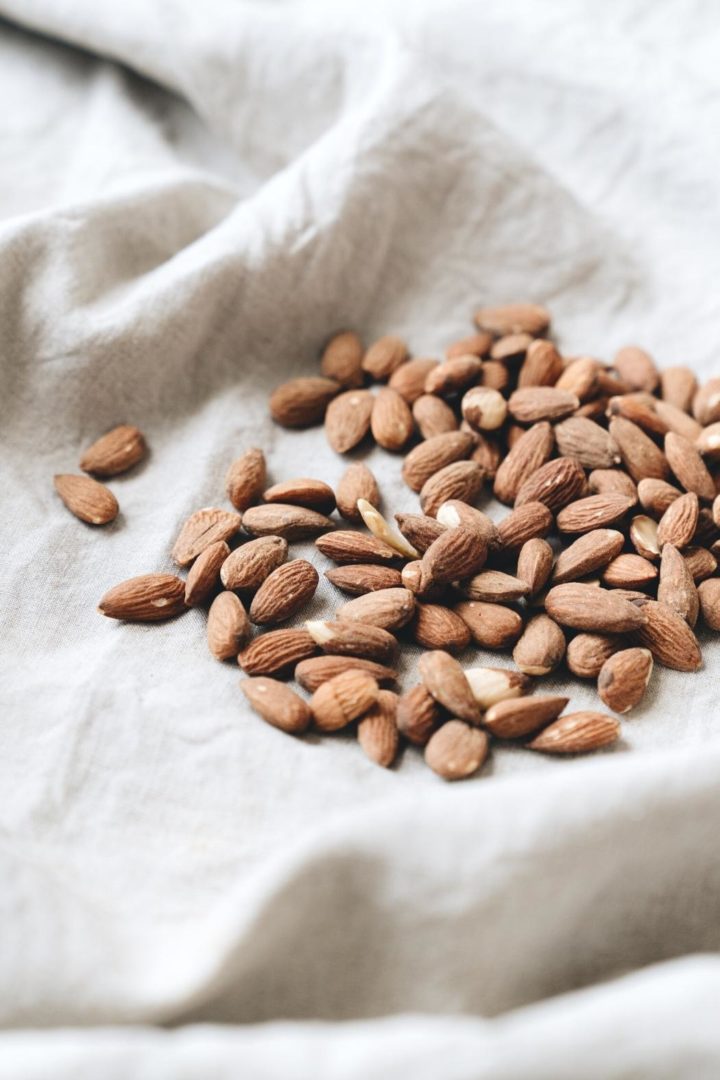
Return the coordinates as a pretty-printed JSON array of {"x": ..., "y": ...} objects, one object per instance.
[
  {"x": 640, "y": 409},
  {"x": 577, "y": 733},
  {"x": 587, "y": 554},
  {"x": 438, "y": 627},
  {"x": 628, "y": 571},
  {"x": 347, "y": 420},
  {"x": 433, "y": 416},
  {"x": 443, "y": 677},
  {"x": 706, "y": 403},
  {"x": 641, "y": 457},
  {"x": 377, "y": 730},
  {"x": 700, "y": 562},
  {"x": 147, "y": 598},
  {"x": 607, "y": 481},
  {"x": 455, "y": 554},
  {"x": 593, "y": 512},
  {"x": 456, "y": 750},
  {"x": 556, "y": 483},
  {"x": 409, "y": 379},
  {"x": 656, "y": 496},
  {"x": 581, "y": 377},
  {"x": 345, "y": 546},
  {"x": 511, "y": 347},
  {"x": 679, "y": 386},
  {"x": 453, "y": 376},
  {"x": 678, "y": 421},
  {"x": 531, "y": 450},
  {"x": 201, "y": 529},
  {"x": 495, "y": 587},
  {"x": 479, "y": 344},
  {"x": 246, "y": 478},
  {"x": 115, "y": 452},
  {"x": 495, "y": 376},
  {"x": 305, "y": 491},
  {"x": 669, "y": 638},
  {"x": 433, "y": 454},
  {"x": 384, "y": 356},
  {"x": 389, "y": 609},
  {"x": 454, "y": 513},
  {"x": 488, "y": 453},
  {"x": 535, "y": 563},
  {"x": 523, "y": 524},
  {"x": 87, "y": 499},
  {"x": 709, "y": 596},
  {"x": 247, "y": 567},
  {"x": 688, "y": 466},
  {"x": 585, "y": 607},
  {"x": 357, "y": 580},
  {"x": 462, "y": 480},
  {"x": 275, "y": 651},
  {"x": 205, "y": 573},
  {"x": 320, "y": 669},
  {"x": 535, "y": 403},
  {"x": 300, "y": 403},
  {"x": 283, "y": 519},
  {"x": 342, "y": 699},
  {"x": 391, "y": 420},
  {"x": 357, "y": 482},
  {"x": 637, "y": 368},
  {"x": 542, "y": 365},
  {"x": 492, "y": 626},
  {"x": 357, "y": 639},
  {"x": 342, "y": 359},
  {"x": 677, "y": 588},
  {"x": 420, "y": 530},
  {"x": 505, "y": 319},
  {"x": 277, "y": 704},
  {"x": 623, "y": 679},
  {"x": 541, "y": 647},
  {"x": 517, "y": 717},
  {"x": 586, "y": 653},
  {"x": 678, "y": 524},
  {"x": 587, "y": 442},
  {"x": 227, "y": 628},
  {"x": 284, "y": 592},
  {"x": 418, "y": 715}
]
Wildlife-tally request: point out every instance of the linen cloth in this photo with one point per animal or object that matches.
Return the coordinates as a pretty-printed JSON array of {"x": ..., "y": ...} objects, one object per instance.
[{"x": 192, "y": 199}]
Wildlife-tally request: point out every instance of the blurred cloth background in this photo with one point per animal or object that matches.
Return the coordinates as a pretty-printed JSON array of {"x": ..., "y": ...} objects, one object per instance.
[{"x": 192, "y": 198}]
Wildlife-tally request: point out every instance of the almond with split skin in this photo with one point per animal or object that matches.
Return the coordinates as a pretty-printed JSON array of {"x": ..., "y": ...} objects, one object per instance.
[
  {"x": 531, "y": 450},
  {"x": 246, "y": 478},
  {"x": 381, "y": 529},
  {"x": 147, "y": 598},
  {"x": 342, "y": 699},
  {"x": 495, "y": 587},
  {"x": 443, "y": 677},
  {"x": 409, "y": 379},
  {"x": 456, "y": 750},
  {"x": 228, "y": 627},
  {"x": 531, "y": 520},
  {"x": 586, "y": 653},
  {"x": 577, "y": 733},
  {"x": 589, "y": 553},
  {"x": 541, "y": 647},
  {"x": 453, "y": 376},
  {"x": 709, "y": 597},
  {"x": 305, "y": 491},
  {"x": 678, "y": 524},
  {"x": 484, "y": 408},
  {"x": 116, "y": 452},
  {"x": 300, "y": 403},
  {"x": 688, "y": 466},
  {"x": 357, "y": 482},
  {"x": 457, "y": 514},
  {"x": 203, "y": 528},
  {"x": 389, "y": 609},
  {"x": 276, "y": 651},
  {"x": 391, "y": 421},
  {"x": 586, "y": 442},
  {"x": 283, "y": 519},
  {"x": 317, "y": 670},
  {"x": 556, "y": 483},
  {"x": 593, "y": 512},
  {"x": 277, "y": 704},
  {"x": 668, "y": 637},
  {"x": 384, "y": 356},
  {"x": 489, "y": 685},
  {"x": 455, "y": 554},
  {"x": 505, "y": 319},
  {"x": 352, "y": 638},
  {"x": 644, "y": 536},
  {"x": 624, "y": 677},
  {"x": 418, "y": 715},
  {"x": 535, "y": 563},
  {"x": 342, "y": 359},
  {"x": 677, "y": 588},
  {"x": 345, "y": 546},
  {"x": 362, "y": 578},
  {"x": 205, "y": 573},
  {"x": 535, "y": 403},
  {"x": 347, "y": 420},
  {"x": 377, "y": 730},
  {"x": 462, "y": 480},
  {"x": 284, "y": 592},
  {"x": 492, "y": 626},
  {"x": 516, "y": 718},
  {"x": 247, "y": 567},
  {"x": 438, "y": 627},
  {"x": 629, "y": 571},
  {"x": 420, "y": 530},
  {"x": 433, "y": 416},
  {"x": 87, "y": 499},
  {"x": 641, "y": 457},
  {"x": 432, "y": 455},
  {"x": 586, "y": 607}
]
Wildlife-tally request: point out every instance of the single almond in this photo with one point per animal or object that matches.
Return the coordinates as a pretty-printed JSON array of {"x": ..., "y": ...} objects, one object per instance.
[
  {"x": 586, "y": 607},
  {"x": 511, "y": 347},
  {"x": 668, "y": 637},
  {"x": 87, "y": 499},
  {"x": 277, "y": 704},
  {"x": 147, "y": 598},
  {"x": 678, "y": 421},
  {"x": 457, "y": 514},
  {"x": 495, "y": 587},
  {"x": 580, "y": 376},
  {"x": 433, "y": 416},
  {"x": 377, "y": 731},
  {"x": 362, "y": 578},
  {"x": 456, "y": 553},
  {"x": 679, "y": 522},
  {"x": 438, "y": 627},
  {"x": 357, "y": 482},
  {"x": 656, "y": 496},
  {"x": 381, "y": 529},
  {"x": 706, "y": 403},
  {"x": 115, "y": 452},
  {"x": 678, "y": 385},
  {"x": 246, "y": 479},
  {"x": 320, "y": 669},
  {"x": 541, "y": 647},
  {"x": 535, "y": 563},
  {"x": 556, "y": 483},
  {"x": 462, "y": 480},
  {"x": 589, "y": 553},
  {"x": 345, "y": 546},
  {"x": 624, "y": 677},
  {"x": 347, "y": 420},
  {"x": 701, "y": 563},
  {"x": 640, "y": 410},
  {"x": 342, "y": 699},
  {"x": 420, "y": 530},
  {"x": 300, "y": 403},
  {"x": 708, "y": 442},
  {"x": 688, "y": 466},
  {"x": 305, "y": 491},
  {"x": 276, "y": 651},
  {"x": 479, "y": 344},
  {"x": 350, "y": 638},
  {"x": 676, "y": 588},
  {"x": 608, "y": 481},
  {"x": 456, "y": 750},
  {"x": 418, "y": 715},
  {"x": 709, "y": 596},
  {"x": 586, "y": 653},
  {"x": 487, "y": 453},
  {"x": 535, "y": 403},
  {"x": 542, "y": 366},
  {"x": 390, "y": 609},
  {"x": 384, "y": 356},
  {"x": 515, "y": 718},
  {"x": 484, "y": 408},
  {"x": 492, "y": 626},
  {"x": 577, "y": 733},
  {"x": 637, "y": 368},
  {"x": 342, "y": 359},
  {"x": 629, "y": 571},
  {"x": 443, "y": 677},
  {"x": 286, "y": 520},
  {"x": 203, "y": 528},
  {"x": 409, "y": 379},
  {"x": 249, "y": 565},
  {"x": 514, "y": 319},
  {"x": 532, "y": 449},
  {"x": 284, "y": 592},
  {"x": 588, "y": 443},
  {"x": 205, "y": 573},
  {"x": 227, "y": 627},
  {"x": 432, "y": 455},
  {"x": 644, "y": 536},
  {"x": 391, "y": 421},
  {"x": 490, "y": 685},
  {"x": 453, "y": 376},
  {"x": 641, "y": 457},
  {"x": 527, "y": 522},
  {"x": 593, "y": 512}
]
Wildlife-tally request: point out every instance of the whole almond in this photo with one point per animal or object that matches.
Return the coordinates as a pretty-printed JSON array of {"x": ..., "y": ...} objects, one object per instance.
[
  {"x": 456, "y": 750},
  {"x": 227, "y": 627},
  {"x": 418, "y": 715},
  {"x": 514, "y": 319},
  {"x": 577, "y": 733},
  {"x": 593, "y": 512},
  {"x": 528, "y": 521},
  {"x": 479, "y": 344},
  {"x": 453, "y": 376},
  {"x": 443, "y": 677},
  {"x": 428, "y": 457},
  {"x": 644, "y": 536},
  {"x": 535, "y": 403},
  {"x": 342, "y": 359},
  {"x": 364, "y": 578},
  {"x": 640, "y": 410},
  {"x": 456, "y": 553},
  {"x": 607, "y": 481},
  {"x": 676, "y": 588},
  {"x": 709, "y": 596},
  {"x": 708, "y": 442},
  {"x": 587, "y": 554},
  {"x": 340, "y": 700},
  {"x": 629, "y": 572},
  {"x": 249, "y": 565},
  {"x": 420, "y": 530},
  {"x": 490, "y": 685},
  {"x": 678, "y": 421},
  {"x": 345, "y": 546},
  {"x": 484, "y": 408},
  {"x": 357, "y": 482},
  {"x": 580, "y": 377},
  {"x": 457, "y": 514},
  {"x": 641, "y": 457},
  {"x": 495, "y": 587},
  {"x": 637, "y": 368},
  {"x": 391, "y": 421},
  {"x": 542, "y": 366},
  {"x": 377, "y": 731},
  {"x": 203, "y": 528},
  {"x": 409, "y": 379},
  {"x": 347, "y": 420},
  {"x": 353, "y": 639},
  {"x": 415, "y": 578},
  {"x": 87, "y": 499},
  {"x": 246, "y": 479},
  {"x": 706, "y": 403},
  {"x": 556, "y": 483},
  {"x": 320, "y": 669},
  {"x": 284, "y": 592},
  {"x": 586, "y": 653},
  {"x": 532, "y": 449},
  {"x": 305, "y": 491},
  {"x": 678, "y": 386},
  {"x": 300, "y": 403},
  {"x": 669, "y": 638},
  {"x": 541, "y": 647},
  {"x": 390, "y": 609},
  {"x": 487, "y": 453},
  {"x": 700, "y": 562},
  {"x": 283, "y": 519},
  {"x": 624, "y": 677},
  {"x": 492, "y": 626},
  {"x": 115, "y": 452},
  {"x": 535, "y": 563},
  {"x": 438, "y": 627},
  {"x": 585, "y": 607},
  {"x": 384, "y": 356},
  {"x": 679, "y": 522},
  {"x": 688, "y": 467},
  {"x": 518, "y": 717},
  {"x": 587, "y": 442},
  {"x": 462, "y": 480},
  {"x": 205, "y": 573},
  {"x": 433, "y": 416},
  {"x": 277, "y": 704},
  {"x": 707, "y": 531},
  {"x": 275, "y": 651},
  {"x": 147, "y": 598},
  {"x": 657, "y": 495}
]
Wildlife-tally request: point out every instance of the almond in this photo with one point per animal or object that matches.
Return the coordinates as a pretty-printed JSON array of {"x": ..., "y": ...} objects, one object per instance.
[
  {"x": 709, "y": 596},
  {"x": 249, "y": 565},
  {"x": 637, "y": 368},
  {"x": 302, "y": 402},
  {"x": 384, "y": 356},
  {"x": 542, "y": 366},
  {"x": 347, "y": 420},
  {"x": 678, "y": 386},
  {"x": 535, "y": 403},
  {"x": 535, "y": 563},
  {"x": 624, "y": 677},
  {"x": 320, "y": 669},
  {"x": 679, "y": 522},
  {"x": 418, "y": 715},
  {"x": 494, "y": 586},
  {"x": 454, "y": 514},
  {"x": 514, "y": 319},
  {"x": 484, "y": 408},
  {"x": 487, "y": 453},
  {"x": 532, "y": 449},
  {"x": 342, "y": 359},
  {"x": 527, "y": 522},
  {"x": 357, "y": 483},
  {"x": 227, "y": 627},
  {"x": 377, "y": 731},
  {"x": 312, "y": 494},
  {"x": 345, "y": 546},
  {"x": 433, "y": 416},
  {"x": 409, "y": 379},
  {"x": 640, "y": 455},
  {"x": 275, "y": 651},
  {"x": 629, "y": 572},
  {"x": 115, "y": 452},
  {"x": 585, "y": 441},
  {"x": 669, "y": 638},
  {"x": 585, "y": 607},
  {"x": 277, "y": 704},
  {"x": 657, "y": 495},
  {"x": 708, "y": 442},
  {"x": 555, "y": 484},
  {"x": 678, "y": 421},
  {"x": 205, "y": 573},
  {"x": 363, "y": 578},
  {"x": 511, "y": 347},
  {"x": 706, "y": 403},
  {"x": 541, "y": 647},
  {"x": 700, "y": 562},
  {"x": 586, "y": 653},
  {"x": 284, "y": 592},
  {"x": 492, "y": 626},
  {"x": 453, "y": 376},
  {"x": 419, "y": 530},
  {"x": 342, "y": 699},
  {"x": 490, "y": 685},
  {"x": 443, "y": 677},
  {"x": 580, "y": 377},
  {"x": 147, "y": 598},
  {"x": 388, "y": 608},
  {"x": 640, "y": 409},
  {"x": 462, "y": 480},
  {"x": 438, "y": 627},
  {"x": 479, "y": 344},
  {"x": 594, "y": 512},
  {"x": 590, "y": 553},
  {"x": 577, "y": 733},
  {"x": 415, "y": 579},
  {"x": 644, "y": 536},
  {"x": 87, "y": 499},
  {"x": 516, "y": 718},
  {"x": 607, "y": 481},
  {"x": 455, "y": 554},
  {"x": 353, "y": 639},
  {"x": 676, "y": 588},
  {"x": 283, "y": 519},
  {"x": 688, "y": 467},
  {"x": 391, "y": 421},
  {"x": 246, "y": 478},
  {"x": 203, "y": 528},
  {"x": 381, "y": 529},
  {"x": 456, "y": 750},
  {"x": 429, "y": 457}
]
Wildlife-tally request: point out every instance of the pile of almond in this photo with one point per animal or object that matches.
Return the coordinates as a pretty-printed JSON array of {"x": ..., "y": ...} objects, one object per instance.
[{"x": 605, "y": 562}]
